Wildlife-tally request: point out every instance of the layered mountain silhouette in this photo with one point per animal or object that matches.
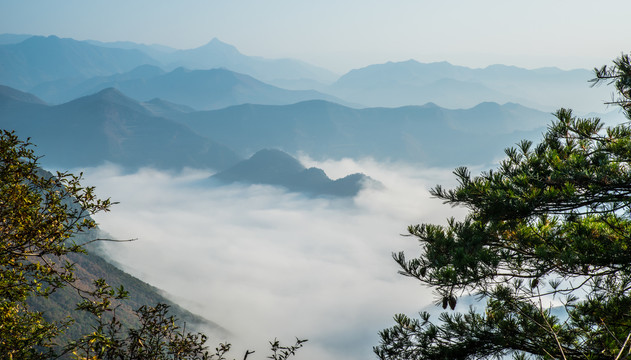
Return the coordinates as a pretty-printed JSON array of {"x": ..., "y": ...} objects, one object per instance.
[
  {"x": 217, "y": 54},
  {"x": 59, "y": 70},
  {"x": 39, "y": 59},
  {"x": 111, "y": 127},
  {"x": 275, "y": 167},
  {"x": 421, "y": 134},
  {"x": 28, "y": 61},
  {"x": 395, "y": 84},
  {"x": 199, "y": 89},
  {"x": 67, "y": 89},
  {"x": 108, "y": 127}
]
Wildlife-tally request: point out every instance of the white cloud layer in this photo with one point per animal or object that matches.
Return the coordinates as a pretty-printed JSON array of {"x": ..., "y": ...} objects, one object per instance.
[{"x": 265, "y": 263}]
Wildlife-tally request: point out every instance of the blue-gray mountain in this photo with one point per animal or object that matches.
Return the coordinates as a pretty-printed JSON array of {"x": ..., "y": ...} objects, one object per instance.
[
  {"x": 410, "y": 82},
  {"x": 422, "y": 134},
  {"x": 40, "y": 59},
  {"x": 67, "y": 89},
  {"x": 199, "y": 89},
  {"x": 57, "y": 70},
  {"x": 26, "y": 62},
  {"x": 274, "y": 167},
  {"x": 217, "y": 54},
  {"x": 288, "y": 73},
  {"x": 108, "y": 127}
]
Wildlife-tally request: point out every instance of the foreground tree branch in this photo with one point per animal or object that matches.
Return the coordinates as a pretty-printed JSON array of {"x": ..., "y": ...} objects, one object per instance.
[{"x": 551, "y": 225}]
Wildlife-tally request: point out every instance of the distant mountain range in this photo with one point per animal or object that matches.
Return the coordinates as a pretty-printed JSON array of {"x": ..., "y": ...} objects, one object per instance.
[
  {"x": 59, "y": 70},
  {"x": 111, "y": 127},
  {"x": 395, "y": 84},
  {"x": 217, "y": 54},
  {"x": 135, "y": 105},
  {"x": 40, "y": 59},
  {"x": 199, "y": 89},
  {"x": 26, "y": 63},
  {"x": 86, "y": 103},
  {"x": 420, "y": 134},
  {"x": 108, "y": 127},
  {"x": 274, "y": 167}
]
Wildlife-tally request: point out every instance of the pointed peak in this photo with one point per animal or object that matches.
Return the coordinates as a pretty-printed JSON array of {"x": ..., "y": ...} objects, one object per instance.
[
  {"x": 109, "y": 92},
  {"x": 112, "y": 96},
  {"x": 216, "y": 41},
  {"x": 216, "y": 44}
]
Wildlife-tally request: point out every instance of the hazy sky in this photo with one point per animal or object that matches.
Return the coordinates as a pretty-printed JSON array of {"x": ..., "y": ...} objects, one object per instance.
[{"x": 346, "y": 34}]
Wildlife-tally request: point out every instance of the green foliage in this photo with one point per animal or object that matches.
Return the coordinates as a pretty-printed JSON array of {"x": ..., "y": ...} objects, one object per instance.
[
  {"x": 40, "y": 215},
  {"x": 550, "y": 226},
  {"x": 157, "y": 337}
]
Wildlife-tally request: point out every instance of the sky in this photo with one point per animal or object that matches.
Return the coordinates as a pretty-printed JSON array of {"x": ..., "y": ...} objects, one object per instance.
[{"x": 343, "y": 35}]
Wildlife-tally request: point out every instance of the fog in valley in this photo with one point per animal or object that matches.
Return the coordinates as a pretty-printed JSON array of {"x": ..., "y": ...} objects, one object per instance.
[
  {"x": 148, "y": 100},
  {"x": 266, "y": 263}
]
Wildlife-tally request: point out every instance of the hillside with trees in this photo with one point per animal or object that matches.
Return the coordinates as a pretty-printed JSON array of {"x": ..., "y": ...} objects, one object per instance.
[{"x": 48, "y": 284}]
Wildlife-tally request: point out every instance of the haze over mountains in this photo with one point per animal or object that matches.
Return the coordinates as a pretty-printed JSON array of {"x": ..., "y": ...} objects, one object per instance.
[
  {"x": 318, "y": 168},
  {"x": 422, "y": 134},
  {"x": 24, "y": 67},
  {"x": 39, "y": 59},
  {"x": 76, "y": 68},
  {"x": 108, "y": 126},
  {"x": 414, "y": 83},
  {"x": 200, "y": 89},
  {"x": 86, "y": 103},
  {"x": 111, "y": 127}
]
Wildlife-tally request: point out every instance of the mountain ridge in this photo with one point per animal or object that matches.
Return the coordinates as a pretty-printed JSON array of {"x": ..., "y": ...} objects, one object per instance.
[
  {"x": 198, "y": 89},
  {"x": 395, "y": 84},
  {"x": 275, "y": 167},
  {"x": 111, "y": 127},
  {"x": 417, "y": 134},
  {"x": 24, "y": 65}
]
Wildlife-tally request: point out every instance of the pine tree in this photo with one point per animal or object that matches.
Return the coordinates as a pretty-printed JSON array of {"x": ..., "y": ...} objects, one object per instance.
[{"x": 546, "y": 247}]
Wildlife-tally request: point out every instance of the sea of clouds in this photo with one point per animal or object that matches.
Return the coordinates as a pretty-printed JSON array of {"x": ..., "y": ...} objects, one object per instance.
[{"x": 266, "y": 263}]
